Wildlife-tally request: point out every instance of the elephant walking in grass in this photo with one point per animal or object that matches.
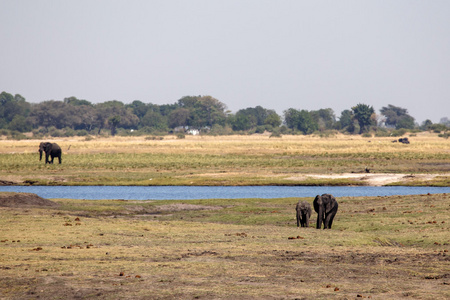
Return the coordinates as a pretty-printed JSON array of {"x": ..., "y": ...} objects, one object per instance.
[
  {"x": 326, "y": 208},
  {"x": 50, "y": 149},
  {"x": 303, "y": 210}
]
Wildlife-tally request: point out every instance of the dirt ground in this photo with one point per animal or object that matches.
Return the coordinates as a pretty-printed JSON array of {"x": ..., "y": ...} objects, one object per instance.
[
  {"x": 222, "y": 262},
  {"x": 24, "y": 200}
]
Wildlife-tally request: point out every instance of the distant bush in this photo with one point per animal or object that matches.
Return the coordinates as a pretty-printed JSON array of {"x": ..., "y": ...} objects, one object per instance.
[
  {"x": 275, "y": 134},
  {"x": 52, "y": 131},
  {"x": 82, "y": 132},
  {"x": 399, "y": 132},
  {"x": 16, "y": 135},
  {"x": 69, "y": 132},
  {"x": 153, "y": 138}
]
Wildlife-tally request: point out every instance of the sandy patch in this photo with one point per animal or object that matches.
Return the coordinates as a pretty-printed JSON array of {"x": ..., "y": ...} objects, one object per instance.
[{"x": 372, "y": 179}]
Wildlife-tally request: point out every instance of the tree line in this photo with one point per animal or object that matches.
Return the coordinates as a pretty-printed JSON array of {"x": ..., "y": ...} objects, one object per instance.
[{"x": 195, "y": 114}]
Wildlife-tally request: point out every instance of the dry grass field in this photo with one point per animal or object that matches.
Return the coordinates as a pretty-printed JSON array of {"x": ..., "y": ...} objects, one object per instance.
[
  {"x": 232, "y": 160},
  {"x": 379, "y": 248}
]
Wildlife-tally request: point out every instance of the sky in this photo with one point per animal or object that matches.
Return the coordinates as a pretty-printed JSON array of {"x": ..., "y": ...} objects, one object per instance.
[{"x": 278, "y": 54}]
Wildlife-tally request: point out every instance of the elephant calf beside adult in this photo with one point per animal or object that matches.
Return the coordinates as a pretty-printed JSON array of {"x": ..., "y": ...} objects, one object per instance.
[
  {"x": 326, "y": 208},
  {"x": 303, "y": 210},
  {"x": 50, "y": 149}
]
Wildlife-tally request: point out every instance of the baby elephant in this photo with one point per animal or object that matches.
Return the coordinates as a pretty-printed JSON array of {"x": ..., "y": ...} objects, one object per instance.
[{"x": 303, "y": 213}]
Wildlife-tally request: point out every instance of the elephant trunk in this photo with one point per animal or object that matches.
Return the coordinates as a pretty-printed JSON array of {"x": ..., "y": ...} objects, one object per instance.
[
  {"x": 320, "y": 217},
  {"x": 40, "y": 154}
]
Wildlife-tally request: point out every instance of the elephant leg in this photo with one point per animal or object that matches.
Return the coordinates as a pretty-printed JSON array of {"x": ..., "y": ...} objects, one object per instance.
[
  {"x": 320, "y": 220},
  {"x": 331, "y": 216},
  {"x": 304, "y": 220},
  {"x": 326, "y": 222},
  {"x": 331, "y": 220}
]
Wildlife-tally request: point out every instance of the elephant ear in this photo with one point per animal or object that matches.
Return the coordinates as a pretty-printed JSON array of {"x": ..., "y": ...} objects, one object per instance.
[
  {"x": 317, "y": 203},
  {"x": 330, "y": 202}
]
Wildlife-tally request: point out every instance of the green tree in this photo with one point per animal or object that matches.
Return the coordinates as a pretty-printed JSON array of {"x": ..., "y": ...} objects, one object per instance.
[
  {"x": 138, "y": 108},
  {"x": 76, "y": 102},
  {"x": 51, "y": 113},
  {"x": 300, "y": 120},
  {"x": 114, "y": 121},
  {"x": 204, "y": 111},
  {"x": 346, "y": 119},
  {"x": 20, "y": 123},
  {"x": 397, "y": 117},
  {"x": 364, "y": 114},
  {"x": 154, "y": 120},
  {"x": 324, "y": 118},
  {"x": 108, "y": 113},
  {"x": 252, "y": 117},
  {"x": 273, "y": 119},
  {"x": 426, "y": 125},
  {"x": 179, "y": 117},
  {"x": 240, "y": 122},
  {"x": 12, "y": 107}
]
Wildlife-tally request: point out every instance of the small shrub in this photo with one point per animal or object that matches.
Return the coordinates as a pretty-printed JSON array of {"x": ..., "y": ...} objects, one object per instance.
[
  {"x": 69, "y": 132},
  {"x": 399, "y": 132},
  {"x": 181, "y": 136},
  {"x": 382, "y": 133},
  {"x": 16, "y": 135},
  {"x": 82, "y": 132},
  {"x": 275, "y": 134},
  {"x": 153, "y": 138}
]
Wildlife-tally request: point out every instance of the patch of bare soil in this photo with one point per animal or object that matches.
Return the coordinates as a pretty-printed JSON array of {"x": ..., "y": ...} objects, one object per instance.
[
  {"x": 310, "y": 273},
  {"x": 24, "y": 199},
  {"x": 184, "y": 206}
]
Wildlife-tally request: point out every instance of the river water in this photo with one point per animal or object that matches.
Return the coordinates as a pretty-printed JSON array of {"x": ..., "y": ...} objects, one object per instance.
[{"x": 214, "y": 192}]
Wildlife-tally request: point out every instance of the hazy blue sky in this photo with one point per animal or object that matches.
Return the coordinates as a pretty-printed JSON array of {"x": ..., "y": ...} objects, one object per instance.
[{"x": 278, "y": 54}]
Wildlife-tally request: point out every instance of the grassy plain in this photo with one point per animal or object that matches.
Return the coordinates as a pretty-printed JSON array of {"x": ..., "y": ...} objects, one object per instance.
[
  {"x": 227, "y": 160},
  {"x": 380, "y": 248}
]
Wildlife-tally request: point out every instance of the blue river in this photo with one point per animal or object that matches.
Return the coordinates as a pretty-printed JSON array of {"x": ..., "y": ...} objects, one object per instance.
[{"x": 214, "y": 192}]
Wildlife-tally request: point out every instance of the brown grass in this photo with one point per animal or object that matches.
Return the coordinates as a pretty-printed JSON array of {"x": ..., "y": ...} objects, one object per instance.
[{"x": 227, "y": 160}]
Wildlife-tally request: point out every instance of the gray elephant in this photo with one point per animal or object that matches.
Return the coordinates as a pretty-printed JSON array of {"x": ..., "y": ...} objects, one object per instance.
[
  {"x": 303, "y": 213},
  {"x": 50, "y": 149},
  {"x": 326, "y": 208}
]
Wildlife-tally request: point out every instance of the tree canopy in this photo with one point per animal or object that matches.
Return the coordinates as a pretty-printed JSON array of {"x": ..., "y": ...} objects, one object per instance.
[
  {"x": 397, "y": 117},
  {"x": 202, "y": 113}
]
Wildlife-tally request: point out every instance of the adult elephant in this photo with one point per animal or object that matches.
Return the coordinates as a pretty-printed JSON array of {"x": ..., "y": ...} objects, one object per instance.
[
  {"x": 50, "y": 149},
  {"x": 303, "y": 213},
  {"x": 326, "y": 208}
]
